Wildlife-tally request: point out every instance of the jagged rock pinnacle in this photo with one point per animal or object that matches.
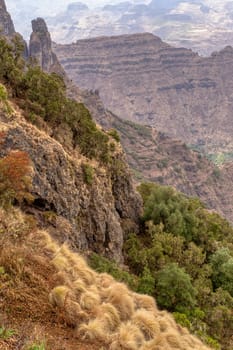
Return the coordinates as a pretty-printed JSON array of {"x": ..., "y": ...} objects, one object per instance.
[
  {"x": 6, "y": 24},
  {"x": 2, "y": 5},
  {"x": 40, "y": 47},
  {"x": 39, "y": 25}
]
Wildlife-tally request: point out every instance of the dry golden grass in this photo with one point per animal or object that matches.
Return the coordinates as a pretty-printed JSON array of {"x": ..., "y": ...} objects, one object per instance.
[
  {"x": 147, "y": 323},
  {"x": 53, "y": 286},
  {"x": 129, "y": 337},
  {"x": 115, "y": 315}
]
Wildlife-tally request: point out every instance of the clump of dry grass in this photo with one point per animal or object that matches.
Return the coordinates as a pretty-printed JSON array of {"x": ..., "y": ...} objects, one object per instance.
[
  {"x": 89, "y": 300},
  {"x": 146, "y": 302},
  {"x": 109, "y": 315},
  {"x": 94, "y": 330},
  {"x": 147, "y": 323},
  {"x": 129, "y": 337},
  {"x": 103, "y": 280}
]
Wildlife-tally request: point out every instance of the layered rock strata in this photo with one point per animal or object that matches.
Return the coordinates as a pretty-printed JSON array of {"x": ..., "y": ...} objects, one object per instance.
[{"x": 143, "y": 79}]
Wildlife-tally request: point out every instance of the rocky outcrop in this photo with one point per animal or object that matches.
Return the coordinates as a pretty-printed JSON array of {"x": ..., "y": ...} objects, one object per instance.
[
  {"x": 143, "y": 79},
  {"x": 6, "y": 23},
  {"x": 40, "y": 48},
  {"x": 91, "y": 216}
]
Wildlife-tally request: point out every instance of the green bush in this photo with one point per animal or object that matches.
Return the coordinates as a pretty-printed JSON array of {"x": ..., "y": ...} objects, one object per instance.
[
  {"x": 174, "y": 289},
  {"x": 101, "y": 264},
  {"x": 146, "y": 283},
  {"x": 182, "y": 319},
  {"x": 222, "y": 265},
  {"x": 37, "y": 346},
  {"x": 114, "y": 134},
  {"x": 88, "y": 173},
  {"x": 6, "y": 333}
]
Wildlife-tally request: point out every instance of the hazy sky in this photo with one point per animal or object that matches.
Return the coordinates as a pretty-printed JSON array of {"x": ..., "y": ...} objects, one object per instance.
[{"x": 54, "y": 6}]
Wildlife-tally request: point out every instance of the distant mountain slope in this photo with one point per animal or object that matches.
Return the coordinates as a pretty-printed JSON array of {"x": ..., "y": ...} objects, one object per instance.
[
  {"x": 156, "y": 157},
  {"x": 143, "y": 79}
]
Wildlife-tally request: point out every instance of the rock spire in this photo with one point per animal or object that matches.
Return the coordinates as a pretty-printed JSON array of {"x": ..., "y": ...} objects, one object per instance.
[{"x": 40, "y": 47}]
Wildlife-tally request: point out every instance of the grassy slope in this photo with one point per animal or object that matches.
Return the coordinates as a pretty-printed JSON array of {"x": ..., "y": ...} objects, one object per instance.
[{"x": 90, "y": 310}]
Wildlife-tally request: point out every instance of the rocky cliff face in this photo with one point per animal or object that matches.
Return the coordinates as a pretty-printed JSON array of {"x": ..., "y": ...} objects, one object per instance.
[
  {"x": 40, "y": 47},
  {"x": 94, "y": 215},
  {"x": 143, "y": 79}
]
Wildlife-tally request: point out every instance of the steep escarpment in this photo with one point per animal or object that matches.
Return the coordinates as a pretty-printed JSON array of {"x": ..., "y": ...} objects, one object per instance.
[
  {"x": 89, "y": 212},
  {"x": 143, "y": 79}
]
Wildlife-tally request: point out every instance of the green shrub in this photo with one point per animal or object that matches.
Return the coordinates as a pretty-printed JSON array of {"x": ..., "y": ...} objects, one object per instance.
[
  {"x": 6, "y": 333},
  {"x": 182, "y": 319},
  {"x": 213, "y": 343},
  {"x": 146, "y": 283},
  {"x": 101, "y": 264},
  {"x": 222, "y": 265},
  {"x": 37, "y": 346},
  {"x": 114, "y": 134},
  {"x": 88, "y": 173},
  {"x": 174, "y": 289}
]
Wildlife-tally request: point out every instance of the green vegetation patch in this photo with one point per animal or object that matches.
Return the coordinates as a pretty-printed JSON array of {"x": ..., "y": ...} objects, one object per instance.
[
  {"x": 186, "y": 254},
  {"x": 43, "y": 95},
  {"x": 6, "y": 333},
  {"x": 88, "y": 173}
]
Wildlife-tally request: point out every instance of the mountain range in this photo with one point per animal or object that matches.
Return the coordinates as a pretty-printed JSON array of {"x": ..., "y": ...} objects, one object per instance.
[{"x": 205, "y": 26}]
